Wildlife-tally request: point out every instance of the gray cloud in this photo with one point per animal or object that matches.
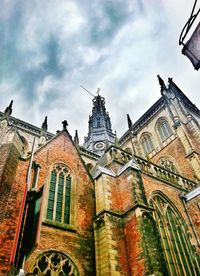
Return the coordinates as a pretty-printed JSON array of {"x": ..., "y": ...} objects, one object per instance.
[{"x": 49, "y": 48}]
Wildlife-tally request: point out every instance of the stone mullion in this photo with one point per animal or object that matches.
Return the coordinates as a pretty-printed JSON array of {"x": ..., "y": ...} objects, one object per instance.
[
  {"x": 162, "y": 134},
  {"x": 63, "y": 198}
]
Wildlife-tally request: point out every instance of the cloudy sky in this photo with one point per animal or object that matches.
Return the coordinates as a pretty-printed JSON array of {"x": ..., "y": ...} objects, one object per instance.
[{"x": 49, "y": 48}]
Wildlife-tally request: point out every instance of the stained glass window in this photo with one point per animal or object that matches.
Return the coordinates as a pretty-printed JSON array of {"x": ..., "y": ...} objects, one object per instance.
[
  {"x": 54, "y": 263},
  {"x": 179, "y": 254},
  {"x": 59, "y": 195}
]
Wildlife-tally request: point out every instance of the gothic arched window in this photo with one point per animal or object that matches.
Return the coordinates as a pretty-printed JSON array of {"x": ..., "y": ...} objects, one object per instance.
[
  {"x": 147, "y": 143},
  {"x": 164, "y": 129},
  {"x": 178, "y": 251},
  {"x": 58, "y": 208},
  {"x": 54, "y": 263}
]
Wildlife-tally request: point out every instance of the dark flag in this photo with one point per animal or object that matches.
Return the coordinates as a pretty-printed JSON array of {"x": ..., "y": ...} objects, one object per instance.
[{"x": 32, "y": 225}]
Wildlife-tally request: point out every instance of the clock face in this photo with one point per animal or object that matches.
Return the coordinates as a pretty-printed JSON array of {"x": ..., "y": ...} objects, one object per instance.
[{"x": 99, "y": 145}]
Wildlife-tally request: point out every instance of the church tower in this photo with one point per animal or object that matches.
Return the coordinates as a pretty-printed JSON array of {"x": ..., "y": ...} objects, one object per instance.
[{"x": 100, "y": 133}]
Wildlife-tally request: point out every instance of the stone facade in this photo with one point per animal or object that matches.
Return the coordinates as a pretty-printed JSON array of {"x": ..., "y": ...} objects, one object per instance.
[{"x": 131, "y": 208}]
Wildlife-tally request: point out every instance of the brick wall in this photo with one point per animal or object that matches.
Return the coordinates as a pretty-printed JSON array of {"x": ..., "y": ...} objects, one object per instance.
[
  {"x": 194, "y": 211},
  {"x": 10, "y": 198},
  {"x": 78, "y": 244},
  {"x": 176, "y": 150}
]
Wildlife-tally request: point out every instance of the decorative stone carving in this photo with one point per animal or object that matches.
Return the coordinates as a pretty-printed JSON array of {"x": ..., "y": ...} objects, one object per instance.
[
  {"x": 168, "y": 165},
  {"x": 99, "y": 222}
]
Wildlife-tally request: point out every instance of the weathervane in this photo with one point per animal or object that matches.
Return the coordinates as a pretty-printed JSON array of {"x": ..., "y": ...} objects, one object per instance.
[
  {"x": 88, "y": 91},
  {"x": 98, "y": 89}
]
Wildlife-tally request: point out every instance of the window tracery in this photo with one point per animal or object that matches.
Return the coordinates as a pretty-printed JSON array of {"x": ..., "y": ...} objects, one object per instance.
[
  {"x": 164, "y": 129},
  {"x": 54, "y": 263},
  {"x": 59, "y": 195},
  {"x": 175, "y": 238}
]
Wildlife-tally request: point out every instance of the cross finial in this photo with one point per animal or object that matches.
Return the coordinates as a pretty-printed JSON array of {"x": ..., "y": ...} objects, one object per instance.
[
  {"x": 170, "y": 80},
  {"x": 65, "y": 124},
  {"x": 98, "y": 89}
]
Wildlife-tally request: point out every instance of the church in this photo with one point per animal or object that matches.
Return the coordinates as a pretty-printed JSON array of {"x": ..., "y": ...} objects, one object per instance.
[{"x": 112, "y": 206}]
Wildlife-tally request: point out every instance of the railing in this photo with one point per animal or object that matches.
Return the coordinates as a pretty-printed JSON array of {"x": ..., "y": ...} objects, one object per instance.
[{"x": 153, "y": 169}]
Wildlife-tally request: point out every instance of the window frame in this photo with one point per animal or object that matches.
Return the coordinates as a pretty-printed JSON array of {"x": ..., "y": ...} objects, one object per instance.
[
  {"x": 174, "y": 234},
  {"x": 47, "y": 258},
  {"x": 147, "y": 143},
  {"x": 52, "y": 221},
  {"x": 168, "y": 164},
  {"x": 164, "y": 129}
]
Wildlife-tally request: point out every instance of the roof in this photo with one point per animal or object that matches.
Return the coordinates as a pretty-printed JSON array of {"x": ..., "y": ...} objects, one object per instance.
[
  {"x": 144, "y": 118},
  {"x": 26, "y": 126},
  {"x": 187, "y": 103}
]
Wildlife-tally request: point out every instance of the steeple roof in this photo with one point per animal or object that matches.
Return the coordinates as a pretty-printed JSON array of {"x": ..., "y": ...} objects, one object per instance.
[
  {"x": 100, "y": 132},
  {"x": 99, "y": 117}
]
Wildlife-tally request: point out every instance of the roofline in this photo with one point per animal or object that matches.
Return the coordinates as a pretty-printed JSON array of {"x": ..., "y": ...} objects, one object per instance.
[
  {"x": 27, "y": 126},
  {"x": 186, "y": 101},
  {"x": 145, "y": 117},
  {"x": 88, "y": 153}
]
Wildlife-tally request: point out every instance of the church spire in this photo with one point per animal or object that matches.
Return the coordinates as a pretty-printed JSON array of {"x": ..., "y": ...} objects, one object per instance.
[{"x": 100, "y": 129}]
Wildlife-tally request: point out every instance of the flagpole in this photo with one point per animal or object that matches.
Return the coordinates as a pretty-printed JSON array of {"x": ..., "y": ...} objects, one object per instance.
[
  {"x": 29, "y": 173},
  {"x": 22, "y": 210}
]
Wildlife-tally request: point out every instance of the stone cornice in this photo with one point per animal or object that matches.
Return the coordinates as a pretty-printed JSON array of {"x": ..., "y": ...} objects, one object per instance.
[
  {"x": 148, "y": 168},
  {"x": 36, "y": 131},
  {"x": 125, "y": 213},
  {"x": 88, "y": 153}
]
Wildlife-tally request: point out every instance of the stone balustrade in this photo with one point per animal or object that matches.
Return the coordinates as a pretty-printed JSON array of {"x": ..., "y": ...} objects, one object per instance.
[{"x": 152, "y": 169}]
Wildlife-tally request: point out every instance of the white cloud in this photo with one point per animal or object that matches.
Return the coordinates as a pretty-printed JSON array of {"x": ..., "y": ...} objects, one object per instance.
[{"x": 120, "y": 47}]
